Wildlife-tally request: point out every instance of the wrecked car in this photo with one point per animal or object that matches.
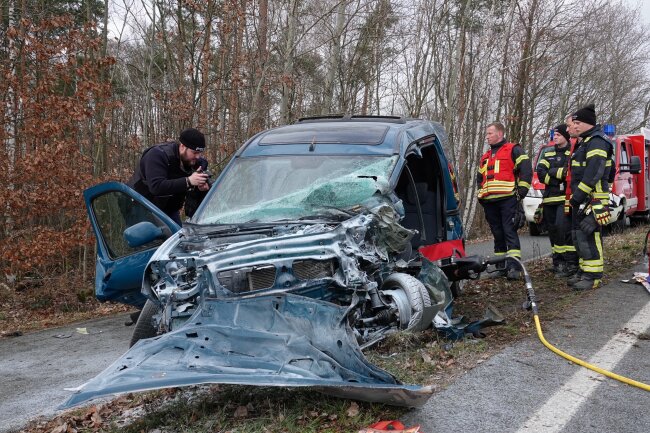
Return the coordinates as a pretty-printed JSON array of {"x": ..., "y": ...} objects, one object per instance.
[{"x": 316, "y": 241}]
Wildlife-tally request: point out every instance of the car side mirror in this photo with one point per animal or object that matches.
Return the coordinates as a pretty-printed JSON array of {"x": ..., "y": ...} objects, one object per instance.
[
  {"x": 635, "y": 165},
  {"x": 142, "y": 233}
]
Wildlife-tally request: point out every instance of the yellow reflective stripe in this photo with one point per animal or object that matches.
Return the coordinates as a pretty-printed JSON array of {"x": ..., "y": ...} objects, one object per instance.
[
  {"x": 596, "y": 152},
  {"x": 558, "y": 173},
  {"x": 608, "y": 163},
  {"x": 496, "y": 166},
  {"x": 514, "y": 253},
  {"x": 584, "y": 187},
  {"x": 584, "y": 140},
  {"x": 482, "y": 169},
  {"x": 601, "y": 195},
  {"x": 523, "y": 184},
  {"x": 500, "y": 253},
  {"x": 521, "y": 158},
  {"x": 570, "y": 249},
  {"x": 545, "y": 163},
  {"x": 577, "y": 164},
  {"x": 549, "y": 153},
  {"x": 558, "y": 199},
  {"x": 496, "y": 196},
  {"x": 547, "y": 178}
]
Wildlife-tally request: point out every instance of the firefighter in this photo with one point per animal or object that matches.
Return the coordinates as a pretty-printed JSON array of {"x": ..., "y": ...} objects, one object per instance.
[
  {"x": 552, "y": 170},
  {"x": 591, "y": 168},
  {"x": 503, "y": 179}
]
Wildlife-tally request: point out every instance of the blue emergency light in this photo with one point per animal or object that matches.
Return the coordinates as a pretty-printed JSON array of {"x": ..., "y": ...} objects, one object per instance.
[{"x": 609, "y": 129}]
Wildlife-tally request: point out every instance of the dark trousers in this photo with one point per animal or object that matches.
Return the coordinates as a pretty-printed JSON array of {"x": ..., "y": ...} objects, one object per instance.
[
  {"x": 559, "y": 233},
  {"x": 499, "y": 215},
  {"x": 589, "y": 247}
]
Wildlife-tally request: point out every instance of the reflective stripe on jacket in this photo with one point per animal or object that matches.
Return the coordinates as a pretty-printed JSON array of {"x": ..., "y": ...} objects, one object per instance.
[
  {"x": 498, "y": 173},
  {"x": 551, "y": 170}
]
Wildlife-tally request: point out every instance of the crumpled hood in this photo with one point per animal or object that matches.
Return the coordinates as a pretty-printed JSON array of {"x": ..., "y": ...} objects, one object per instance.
[{"x": 276, "y": 340}]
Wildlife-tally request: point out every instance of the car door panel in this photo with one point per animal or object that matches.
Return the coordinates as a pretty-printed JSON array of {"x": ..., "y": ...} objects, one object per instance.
[{"x": 112, "y": 207}]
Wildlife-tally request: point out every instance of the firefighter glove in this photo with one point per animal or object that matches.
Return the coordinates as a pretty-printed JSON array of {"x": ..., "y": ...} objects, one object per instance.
[
  {"x": 578, "y": 197},
  {"x": 588, "y": 225},
  {"x": 602, "y": 215},
  {"x": 519, "y": 219},
  {"x": 539, "y": 214}
]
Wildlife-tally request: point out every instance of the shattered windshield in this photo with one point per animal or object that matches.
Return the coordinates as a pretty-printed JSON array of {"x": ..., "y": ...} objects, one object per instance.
[{"x": 289, "y": 187}]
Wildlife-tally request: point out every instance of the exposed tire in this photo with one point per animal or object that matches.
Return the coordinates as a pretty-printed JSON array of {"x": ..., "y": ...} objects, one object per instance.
[
  {"x": 534, "y": 229},
  {"x": 144, "y": 327},
  {"x": 417, "y": 294}
]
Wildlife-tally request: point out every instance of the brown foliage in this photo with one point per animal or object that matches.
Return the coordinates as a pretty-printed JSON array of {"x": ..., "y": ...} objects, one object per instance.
[{"x": 54, "y": 92}]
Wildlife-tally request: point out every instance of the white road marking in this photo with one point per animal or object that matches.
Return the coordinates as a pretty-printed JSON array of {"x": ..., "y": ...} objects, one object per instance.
[{"x": 560, "y": 408}]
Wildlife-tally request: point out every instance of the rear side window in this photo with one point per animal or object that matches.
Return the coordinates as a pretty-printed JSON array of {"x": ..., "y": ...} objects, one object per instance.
[{"x": 323, "y": 133}]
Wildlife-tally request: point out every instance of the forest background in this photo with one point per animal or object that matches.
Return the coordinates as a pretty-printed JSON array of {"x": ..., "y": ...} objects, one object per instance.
[{"x": 88, "y": 84}]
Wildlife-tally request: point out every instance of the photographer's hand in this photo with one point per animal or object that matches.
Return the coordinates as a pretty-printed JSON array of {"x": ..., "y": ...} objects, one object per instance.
[{"x": 199, "y": 179}]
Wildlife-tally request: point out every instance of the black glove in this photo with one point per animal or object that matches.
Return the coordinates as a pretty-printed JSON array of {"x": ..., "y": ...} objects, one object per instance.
[
  {"x": 519, "y": 219},
  {"x": 588, "y": 225},
  {"x": 578, "y": 197}
]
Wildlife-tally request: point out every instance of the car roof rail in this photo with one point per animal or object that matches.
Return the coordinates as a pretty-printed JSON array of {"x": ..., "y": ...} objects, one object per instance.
[{"x": 352, "y": 118}]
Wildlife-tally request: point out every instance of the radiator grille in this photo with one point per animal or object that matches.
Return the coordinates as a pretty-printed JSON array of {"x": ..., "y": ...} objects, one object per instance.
[
  {"x": 262, "y": 277},
  {"x": 246, "y": 279},
  {"x": 313, "y": 269}
]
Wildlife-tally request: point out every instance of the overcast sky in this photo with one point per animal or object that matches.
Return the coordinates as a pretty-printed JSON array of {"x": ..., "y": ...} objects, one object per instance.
[{"x": 644, "y": 10}]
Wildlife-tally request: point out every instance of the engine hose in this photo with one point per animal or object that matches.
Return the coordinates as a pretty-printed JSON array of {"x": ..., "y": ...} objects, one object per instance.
[{"x": 532, "y": 303}]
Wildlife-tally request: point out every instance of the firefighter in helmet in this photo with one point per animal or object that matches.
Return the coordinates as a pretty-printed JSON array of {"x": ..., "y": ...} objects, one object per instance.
[
  {"x": 503, "y": 179},
  {"x": 591, "y": 174},
  {"x": 552, "y": 169}
]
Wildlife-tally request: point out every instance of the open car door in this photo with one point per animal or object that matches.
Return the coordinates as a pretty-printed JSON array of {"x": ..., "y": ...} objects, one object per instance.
[{"x": 129, "y": 229}]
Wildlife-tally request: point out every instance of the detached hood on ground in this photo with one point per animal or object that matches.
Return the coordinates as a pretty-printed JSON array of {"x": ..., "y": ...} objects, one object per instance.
[{"x": 277, "y": 340}]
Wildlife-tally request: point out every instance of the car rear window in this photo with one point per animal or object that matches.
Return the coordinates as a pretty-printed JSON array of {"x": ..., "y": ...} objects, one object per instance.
[{"x": 327, "y": 133}]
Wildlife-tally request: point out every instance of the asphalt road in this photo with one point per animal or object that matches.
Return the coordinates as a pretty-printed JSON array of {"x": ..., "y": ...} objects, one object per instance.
[
  {"x": 36, "y": 367},
  {"x": 525, "y": 388}
]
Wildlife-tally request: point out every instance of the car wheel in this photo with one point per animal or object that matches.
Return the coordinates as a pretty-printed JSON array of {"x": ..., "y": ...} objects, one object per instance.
[
  {"x": 534, "y": 229},
  {"x": 417, "y": 295},
  {"x": 144, "y": 327}
]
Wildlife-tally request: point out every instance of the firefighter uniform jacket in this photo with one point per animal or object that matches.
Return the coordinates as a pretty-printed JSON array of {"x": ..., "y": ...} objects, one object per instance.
[
  {"x": 591, "y": 168},
  {"x": 504, "y": 170},
  {"x": 552, "y": 169}
]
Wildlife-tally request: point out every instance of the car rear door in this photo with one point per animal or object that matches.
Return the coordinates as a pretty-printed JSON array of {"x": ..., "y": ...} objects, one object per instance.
[{"x": 112, "y": 208}]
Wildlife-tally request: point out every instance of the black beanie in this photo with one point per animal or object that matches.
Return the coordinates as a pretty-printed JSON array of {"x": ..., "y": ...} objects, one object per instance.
[
  {"x": 193, "y": 138},
  {"x": 561, "y": 129},
  {"x": 586, "y": 115}
]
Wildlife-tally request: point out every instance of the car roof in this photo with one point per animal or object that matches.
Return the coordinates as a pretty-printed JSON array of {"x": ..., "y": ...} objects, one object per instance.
[{"x": 343, "y": 134}]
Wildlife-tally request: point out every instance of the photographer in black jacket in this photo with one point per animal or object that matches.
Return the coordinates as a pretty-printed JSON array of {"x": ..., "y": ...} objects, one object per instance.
[{"x": 169, "y": 172}]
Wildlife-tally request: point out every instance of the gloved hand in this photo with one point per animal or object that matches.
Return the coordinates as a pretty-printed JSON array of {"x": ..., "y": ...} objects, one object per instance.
[
  {"x": 588, "y": 225},
  {"x": 578, "y": 197},
  {"x": 539, "y": 214},
  {"x": 519, "y": 219},
  {"x": 567, "y": 207},
  {"x": 601, "y": 214}
]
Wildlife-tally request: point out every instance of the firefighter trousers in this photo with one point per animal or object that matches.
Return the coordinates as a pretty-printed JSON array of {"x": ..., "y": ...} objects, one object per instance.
[
  {"x": 559, "y": 233},
  {"x": 589, "y": 247},
  {"x": 499, "y": 215}
]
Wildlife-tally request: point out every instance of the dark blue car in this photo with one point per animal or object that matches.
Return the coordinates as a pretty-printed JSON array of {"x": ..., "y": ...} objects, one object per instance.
[{"x": 317, "y": 240}]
